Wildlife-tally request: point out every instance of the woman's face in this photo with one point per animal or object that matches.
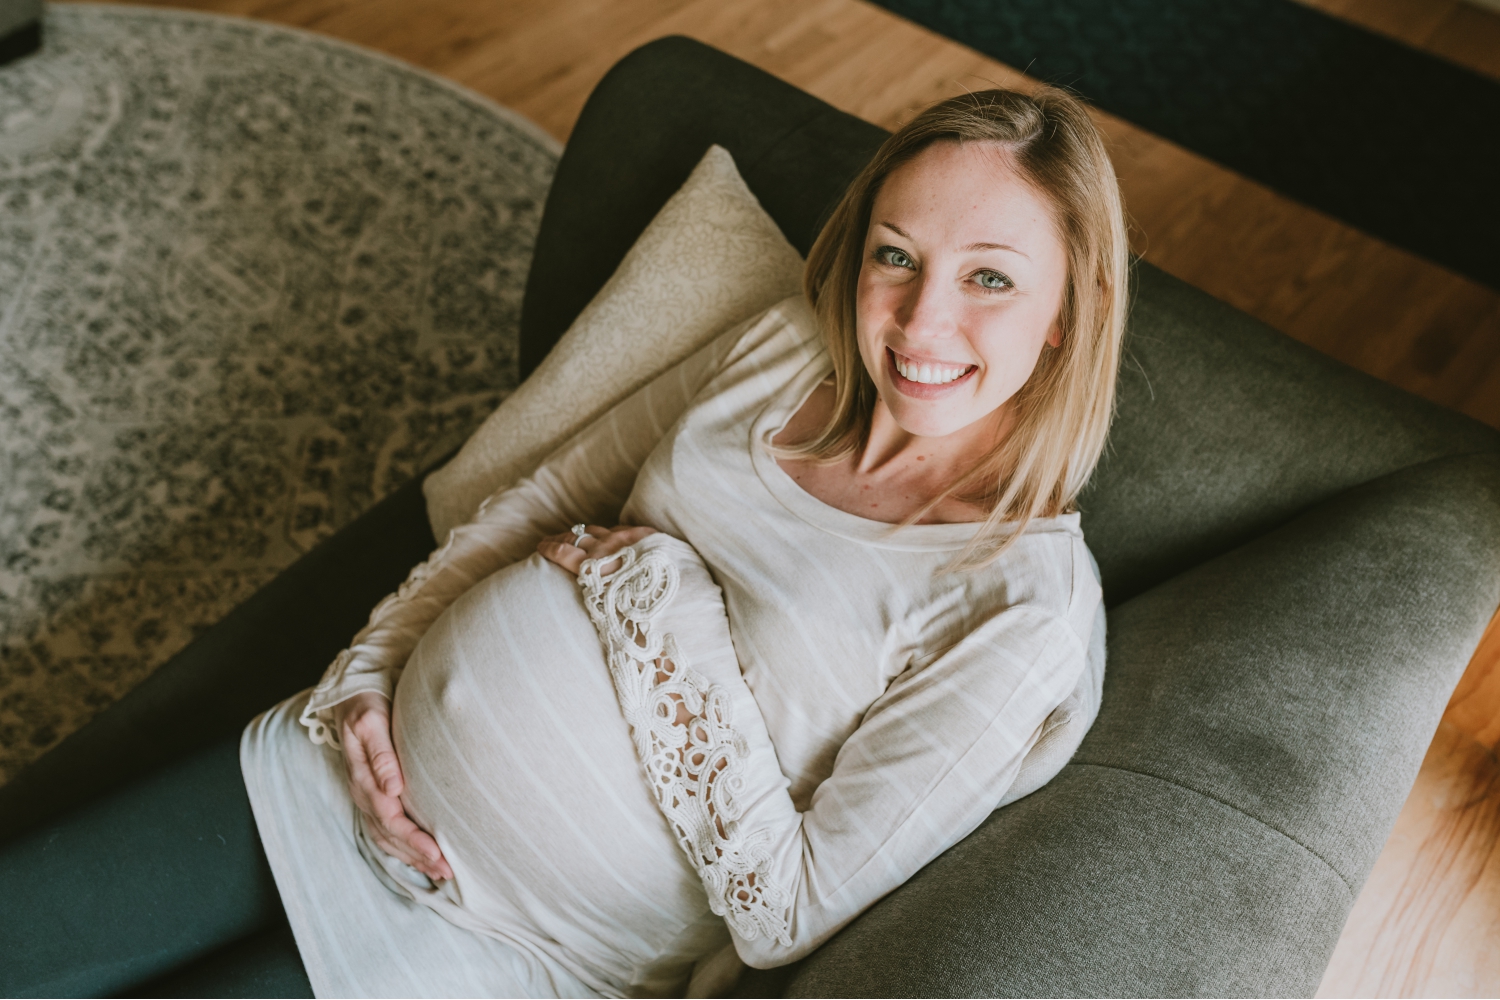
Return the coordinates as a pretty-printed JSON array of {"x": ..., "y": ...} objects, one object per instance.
[{"x": 961, "y": 285}]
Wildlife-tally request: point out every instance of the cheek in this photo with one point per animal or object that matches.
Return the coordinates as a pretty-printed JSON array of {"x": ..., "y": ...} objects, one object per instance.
[
  {"x": 874, "y": 307},
  {"x": 871, "y": 299},
  {"x": 1010, "y": 348}
]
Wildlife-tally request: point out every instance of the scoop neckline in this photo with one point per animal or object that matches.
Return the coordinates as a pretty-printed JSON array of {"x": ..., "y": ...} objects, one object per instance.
[{"x": 774, "y": 416}]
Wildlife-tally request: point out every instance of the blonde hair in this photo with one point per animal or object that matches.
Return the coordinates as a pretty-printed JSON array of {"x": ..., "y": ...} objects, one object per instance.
[{"x": 1062, "y": 413}]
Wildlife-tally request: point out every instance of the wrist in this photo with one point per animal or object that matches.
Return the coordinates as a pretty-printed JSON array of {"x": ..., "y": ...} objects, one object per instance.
[{"x": 352, "y": 708}]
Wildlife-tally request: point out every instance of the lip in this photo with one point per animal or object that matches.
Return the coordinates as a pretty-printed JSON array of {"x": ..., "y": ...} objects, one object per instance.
[{"x": 921, "y": 390}]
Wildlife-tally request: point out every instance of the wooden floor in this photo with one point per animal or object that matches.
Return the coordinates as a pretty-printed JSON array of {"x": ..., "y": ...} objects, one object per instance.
[
  {"x": 1459, "y": 32},
  {"x": 1428, "y": 921}
]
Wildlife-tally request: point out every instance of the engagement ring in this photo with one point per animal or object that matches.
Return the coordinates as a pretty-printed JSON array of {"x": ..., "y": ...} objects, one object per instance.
[{"x": 580, "y": 532}]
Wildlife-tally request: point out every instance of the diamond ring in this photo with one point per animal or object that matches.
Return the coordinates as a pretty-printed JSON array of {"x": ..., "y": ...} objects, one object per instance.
[{"x": 580, "y": 532}]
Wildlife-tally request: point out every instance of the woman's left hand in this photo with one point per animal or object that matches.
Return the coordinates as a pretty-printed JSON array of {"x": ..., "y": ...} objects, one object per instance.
[{"x": 570, "y": 552}]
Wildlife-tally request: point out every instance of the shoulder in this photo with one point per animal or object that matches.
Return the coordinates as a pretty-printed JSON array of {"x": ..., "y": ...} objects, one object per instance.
[
  {"x": 785, "y": 331},
  {"x": 1048, "y": 576}
]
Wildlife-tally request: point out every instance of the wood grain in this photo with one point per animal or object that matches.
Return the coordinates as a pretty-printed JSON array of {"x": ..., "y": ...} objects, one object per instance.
[
  {"x": 1450, "y": 29},
  {"x": 1475, "y": 706},
  {"x": 1367, "y": 303},
  {"x": 1428, "y": 920}
]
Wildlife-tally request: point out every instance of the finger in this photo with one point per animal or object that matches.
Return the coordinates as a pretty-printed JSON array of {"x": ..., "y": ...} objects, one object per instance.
[
  {"x": 375, "y": 733},
  {"x": 566, "y": 555},
  {"x": 389, "y": 843},
  {"x": 423, "y": 843},
  {"x": 403, "y": 828},
  {"x": 403, "y": 853},
  {"x": 361, "y": 779},
  {"x": 591, "y": 533},
  {"x": 595, "y": 535},
  {"x": 624, "y": 536},
  {"x": 400, "y": 852},
  {"x": 617, "y": 541},
  {"x": 389, "y": 820}
]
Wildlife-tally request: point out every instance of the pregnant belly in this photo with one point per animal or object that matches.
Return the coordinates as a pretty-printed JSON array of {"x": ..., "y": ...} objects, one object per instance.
[{"x": 518, "y": 760}]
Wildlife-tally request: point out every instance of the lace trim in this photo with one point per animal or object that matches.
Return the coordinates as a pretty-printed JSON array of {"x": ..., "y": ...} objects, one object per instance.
[
  {"x": 696, "y": 769},
  {"x": 320, "y": 730}
]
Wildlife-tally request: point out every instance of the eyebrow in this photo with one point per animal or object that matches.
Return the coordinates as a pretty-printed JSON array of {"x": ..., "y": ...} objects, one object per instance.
[{"x": 971, "y": 248}]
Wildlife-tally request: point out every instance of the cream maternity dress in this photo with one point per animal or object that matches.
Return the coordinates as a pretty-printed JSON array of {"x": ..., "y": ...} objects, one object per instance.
[{"x": 852, "y": 710}]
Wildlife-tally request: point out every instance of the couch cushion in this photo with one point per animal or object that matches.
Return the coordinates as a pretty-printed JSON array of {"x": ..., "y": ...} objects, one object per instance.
[
  {"x": 1264, "y": 715},
  {"x": 709, "y": 259},
  {"x": 1226, "y": 428}
]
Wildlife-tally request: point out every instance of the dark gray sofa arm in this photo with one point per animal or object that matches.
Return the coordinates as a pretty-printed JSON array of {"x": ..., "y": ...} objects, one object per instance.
[
  {"x": 1265, "y": 713},
  {"x": 20, "y": 28}
]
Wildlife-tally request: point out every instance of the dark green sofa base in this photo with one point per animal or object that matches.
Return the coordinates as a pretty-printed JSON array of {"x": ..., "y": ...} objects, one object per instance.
[{"x": 1298, "y": 561}]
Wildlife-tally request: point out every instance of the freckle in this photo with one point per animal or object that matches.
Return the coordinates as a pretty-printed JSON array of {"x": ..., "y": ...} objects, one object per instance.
[{"x": 921, "y": 458}]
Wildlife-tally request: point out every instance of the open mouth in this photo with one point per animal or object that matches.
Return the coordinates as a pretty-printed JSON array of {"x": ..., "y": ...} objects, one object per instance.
[{"x": 928, "y": 375}]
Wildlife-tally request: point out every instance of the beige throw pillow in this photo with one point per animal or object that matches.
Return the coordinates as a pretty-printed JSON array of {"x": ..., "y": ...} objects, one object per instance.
[{"x": 711, "y": 258}]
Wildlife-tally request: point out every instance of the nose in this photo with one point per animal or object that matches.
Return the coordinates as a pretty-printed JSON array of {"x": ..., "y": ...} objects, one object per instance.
[{"x": 927, "y": 311}]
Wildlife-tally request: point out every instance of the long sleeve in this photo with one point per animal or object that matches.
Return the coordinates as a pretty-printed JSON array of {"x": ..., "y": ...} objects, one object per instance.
[
  {"x": 587, "y": 480},
  {"x": 933, "y": 756}
]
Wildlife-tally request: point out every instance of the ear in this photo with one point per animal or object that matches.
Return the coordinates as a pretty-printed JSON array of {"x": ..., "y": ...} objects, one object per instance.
[{"x": 1054, "y": 335}]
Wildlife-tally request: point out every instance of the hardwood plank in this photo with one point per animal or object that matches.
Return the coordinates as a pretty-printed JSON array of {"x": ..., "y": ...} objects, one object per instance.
[
  {"x": 1413, "y": 22},
  {"x": 1426, "y": 921},
  {"x": 1450, "y": 29},
  {"x": 1470, "y": 37},
  {"x": 1474, "y": 708}
]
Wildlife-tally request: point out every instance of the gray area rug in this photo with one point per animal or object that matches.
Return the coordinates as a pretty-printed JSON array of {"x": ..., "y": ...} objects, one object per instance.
[{"x": 251, "y": 280}]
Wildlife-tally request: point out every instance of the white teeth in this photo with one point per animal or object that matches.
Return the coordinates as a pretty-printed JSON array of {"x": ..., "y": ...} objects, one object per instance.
[{"x": 929, "y": 374}]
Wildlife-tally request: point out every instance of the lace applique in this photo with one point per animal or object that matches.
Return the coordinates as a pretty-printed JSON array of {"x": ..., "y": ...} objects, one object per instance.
[{"x": 695, "y": 770}]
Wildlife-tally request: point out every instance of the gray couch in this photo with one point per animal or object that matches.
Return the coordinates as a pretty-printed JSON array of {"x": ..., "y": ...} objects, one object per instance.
[
  {"x": 20, "y": 28},
  {"x": 1298, "y": 562}
]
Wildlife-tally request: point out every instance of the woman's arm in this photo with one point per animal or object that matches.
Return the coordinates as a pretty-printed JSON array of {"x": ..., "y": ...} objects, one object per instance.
[
  {"x": 932, "y": 758},
  {"x": 587, "y": 480}
]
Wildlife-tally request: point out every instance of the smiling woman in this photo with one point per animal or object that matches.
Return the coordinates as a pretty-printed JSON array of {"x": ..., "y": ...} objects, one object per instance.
[
  {"x": 971, "y": 287},
  {"x": 840, "y": 619},
  {"x": 917, "y": 633}
]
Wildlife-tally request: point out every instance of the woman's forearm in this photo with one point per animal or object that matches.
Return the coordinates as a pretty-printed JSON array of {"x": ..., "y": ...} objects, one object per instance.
[
  {"x": 932, "y": 757},
  {"x": 587, "y": 480},
  {"x": 505, "y": 530}
]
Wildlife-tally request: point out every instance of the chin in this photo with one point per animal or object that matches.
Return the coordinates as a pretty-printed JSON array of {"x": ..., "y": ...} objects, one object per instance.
[{"x": 929, "y": 420}]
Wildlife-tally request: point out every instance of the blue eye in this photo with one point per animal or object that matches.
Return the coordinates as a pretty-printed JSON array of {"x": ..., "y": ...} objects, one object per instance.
[
  {"x": 895, "y": 258},
  {"x": 994, "y": 280}
]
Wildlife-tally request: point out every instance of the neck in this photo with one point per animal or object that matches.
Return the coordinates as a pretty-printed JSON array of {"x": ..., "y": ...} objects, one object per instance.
[{"x": 943, "y": 459}]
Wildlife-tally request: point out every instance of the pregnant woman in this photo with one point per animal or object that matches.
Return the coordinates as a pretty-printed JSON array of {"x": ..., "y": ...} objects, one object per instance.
[{"x": 849, "y": 612}]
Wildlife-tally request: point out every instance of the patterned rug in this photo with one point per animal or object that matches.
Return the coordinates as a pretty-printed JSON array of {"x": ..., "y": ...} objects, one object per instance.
[{"x": 251, "y": 280}]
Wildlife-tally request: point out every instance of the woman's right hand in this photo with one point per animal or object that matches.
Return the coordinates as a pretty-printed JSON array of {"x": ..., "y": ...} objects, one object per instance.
[{"x": 364, "y": 725}]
